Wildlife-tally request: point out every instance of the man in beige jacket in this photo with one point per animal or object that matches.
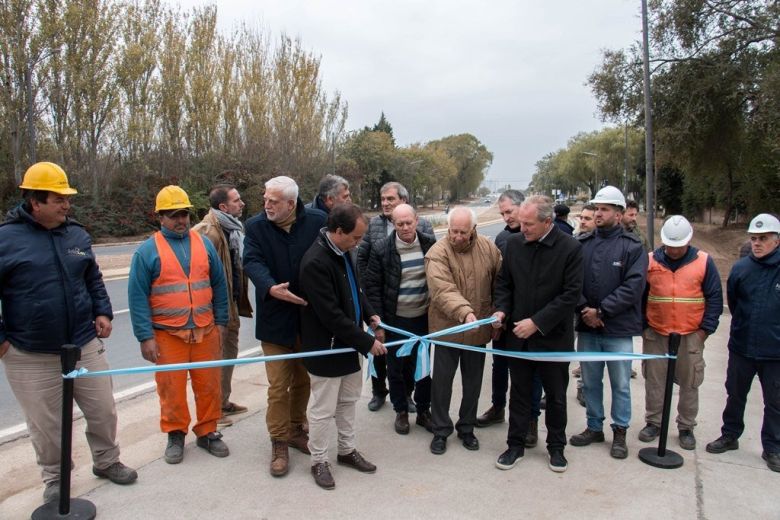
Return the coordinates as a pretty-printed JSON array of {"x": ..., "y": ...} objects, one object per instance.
[
  {"x": 222, "y": 227},
  {"x": 461, "y": 271}
]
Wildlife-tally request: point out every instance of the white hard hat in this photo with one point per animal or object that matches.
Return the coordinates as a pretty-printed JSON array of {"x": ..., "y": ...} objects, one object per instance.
[
  {"x": 609, "y": 195},
  {"x": 676, "y": 232},
  {"x": 764, "y": 223}
]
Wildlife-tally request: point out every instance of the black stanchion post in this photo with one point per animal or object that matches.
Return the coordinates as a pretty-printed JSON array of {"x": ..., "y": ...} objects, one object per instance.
[
  {"x": 663, "y": 458},
  {"x": 76, "y": 508}
]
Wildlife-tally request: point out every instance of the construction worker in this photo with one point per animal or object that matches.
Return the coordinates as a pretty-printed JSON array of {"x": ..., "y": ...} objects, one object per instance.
[
  {"x": 222, "y": 227},
  {"x": 179, "y": 310},
  {"x": 610, "y": 315},
  {"x": 683, "y": 295},
  {"x": 753, "y": 294},
  {"x": 52, "y": 294}
]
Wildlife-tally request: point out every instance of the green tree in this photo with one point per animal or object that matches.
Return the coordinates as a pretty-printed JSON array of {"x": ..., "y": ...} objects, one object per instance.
[
  {"x": 472, "y": 159},
  {"x": 715, "y": 95}
]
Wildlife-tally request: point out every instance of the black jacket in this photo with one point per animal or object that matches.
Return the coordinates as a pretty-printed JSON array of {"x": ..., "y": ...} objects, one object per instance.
[
  {"x": 564, "y": 226},
  {"x": 50, "y": 285},
  {"x": 615, "y": 265},
  {"x": 377, "y": 230},
  {"x": 382, "y": 277},
  {"x": 273, "y": 256},
  {"x": 328, "y": 321},
  {"x": 317, "y": 203},
  {"x": 501, "y": 240},
  {"x": 541, "y": 280}
]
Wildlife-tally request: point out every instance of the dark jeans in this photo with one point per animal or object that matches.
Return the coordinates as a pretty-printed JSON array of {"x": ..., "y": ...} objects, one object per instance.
[
  {"x": 739, "y": 377},
  {"x": 445, "y": 364},
  {"x": 400, "y": 370},
  {"x": 555, "y": 380},
  {"x": 501, "y": 385}
]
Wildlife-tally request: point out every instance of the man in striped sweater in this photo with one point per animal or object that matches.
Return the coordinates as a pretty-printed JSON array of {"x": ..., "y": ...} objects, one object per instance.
[{"x": 396, "y": 287}]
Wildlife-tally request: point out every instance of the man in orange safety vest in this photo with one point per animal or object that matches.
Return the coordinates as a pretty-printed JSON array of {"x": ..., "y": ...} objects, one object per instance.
[
  {"x": 683, "y": 295},
  {"x": 179, "y": 310}
]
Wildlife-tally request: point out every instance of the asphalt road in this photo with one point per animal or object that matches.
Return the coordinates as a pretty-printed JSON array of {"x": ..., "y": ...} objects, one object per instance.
[{"x": 122, "y": 347}]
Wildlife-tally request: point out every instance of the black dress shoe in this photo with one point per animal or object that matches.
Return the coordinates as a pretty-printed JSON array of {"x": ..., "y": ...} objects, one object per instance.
[
  {"x": 723, "y": 444},
  {"x": 438, "y": 445},
  {"x": 377, "y": 402},
  {"x": 470, "y": 441}
]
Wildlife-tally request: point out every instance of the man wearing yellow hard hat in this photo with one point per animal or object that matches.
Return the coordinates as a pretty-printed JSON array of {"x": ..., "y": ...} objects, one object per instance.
[
  {"x": 52, "y": 294},
  {"x": 179, "y": 310}
]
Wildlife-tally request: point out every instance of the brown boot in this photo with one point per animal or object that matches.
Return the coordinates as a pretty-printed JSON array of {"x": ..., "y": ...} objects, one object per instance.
[
  {"x": 532, "y": 437},
  {"x": 619, "y": 449},
  {"x": 299, "y": 439},
  {"x": 280, "y": 458}
]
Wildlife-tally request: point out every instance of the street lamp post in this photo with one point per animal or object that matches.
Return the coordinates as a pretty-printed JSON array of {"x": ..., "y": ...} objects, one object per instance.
[{"x": 649, "y": 160}]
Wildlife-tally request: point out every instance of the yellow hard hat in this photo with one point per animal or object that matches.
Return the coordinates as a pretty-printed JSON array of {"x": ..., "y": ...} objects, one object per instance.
[
  {"x": 172, "y": 197},
  {"x": 46, "y": 176}
]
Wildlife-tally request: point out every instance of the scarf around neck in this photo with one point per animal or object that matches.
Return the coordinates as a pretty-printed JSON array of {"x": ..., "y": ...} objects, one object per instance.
[{"x": 235, "y": 230}]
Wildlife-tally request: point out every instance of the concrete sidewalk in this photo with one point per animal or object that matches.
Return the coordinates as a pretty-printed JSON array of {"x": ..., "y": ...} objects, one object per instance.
[{"x": 411, "y": 482}]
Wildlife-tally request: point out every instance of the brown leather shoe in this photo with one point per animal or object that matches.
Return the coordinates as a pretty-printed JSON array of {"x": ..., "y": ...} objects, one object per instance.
[
  {"x": 299, "y": 440},
  {"x": 402, "y": 423},
  {"x": 280, "y": 458},
  {"x": 424, "y": 419},
  {"x": 322, "y": 476},
  {"x": 356, "y": 460},
  {"x": 493, "y": 415}
]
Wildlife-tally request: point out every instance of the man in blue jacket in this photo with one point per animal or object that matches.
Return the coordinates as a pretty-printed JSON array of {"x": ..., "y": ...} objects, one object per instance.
[
  {"x": 275, "y": 243},
  {"x": 610, "y": 314},
  {"x": 52, "y": 294},
  {"x": 753, "y": 294}
]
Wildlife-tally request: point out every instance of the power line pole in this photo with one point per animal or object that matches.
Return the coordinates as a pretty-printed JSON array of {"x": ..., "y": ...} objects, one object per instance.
[{"x": 649, "y": 160}]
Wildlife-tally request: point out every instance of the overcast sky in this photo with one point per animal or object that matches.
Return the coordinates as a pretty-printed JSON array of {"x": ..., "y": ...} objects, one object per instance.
[{"x": 512, "y": 73}]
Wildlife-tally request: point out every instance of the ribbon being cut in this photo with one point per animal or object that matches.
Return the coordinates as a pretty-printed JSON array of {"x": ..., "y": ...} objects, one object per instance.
[{"x": 423, "y": 344}]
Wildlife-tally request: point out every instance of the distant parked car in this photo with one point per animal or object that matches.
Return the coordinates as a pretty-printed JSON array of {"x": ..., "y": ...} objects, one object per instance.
[{"x": 488, "y": 200}]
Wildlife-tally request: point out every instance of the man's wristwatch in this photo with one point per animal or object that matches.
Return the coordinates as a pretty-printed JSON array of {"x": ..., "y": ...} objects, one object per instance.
[{"x": 599, "y": 314}]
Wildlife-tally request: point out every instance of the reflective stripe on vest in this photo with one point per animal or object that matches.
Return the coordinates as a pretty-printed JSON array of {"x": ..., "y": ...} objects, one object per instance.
[
  {"x": 675, "y": 301},
  {"x": 175, "y": 296}
]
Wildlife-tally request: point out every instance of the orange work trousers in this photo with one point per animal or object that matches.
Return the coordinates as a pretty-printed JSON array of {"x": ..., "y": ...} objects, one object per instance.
[{"x": 172, "y": 386}]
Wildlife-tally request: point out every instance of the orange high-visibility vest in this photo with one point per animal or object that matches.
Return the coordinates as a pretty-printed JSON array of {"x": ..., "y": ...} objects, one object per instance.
[
  {"x": 175, "y": 296},
  {"x": 675, "y": 302}
]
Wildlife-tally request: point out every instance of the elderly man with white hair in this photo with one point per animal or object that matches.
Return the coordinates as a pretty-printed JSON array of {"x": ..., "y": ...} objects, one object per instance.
[
  {"x": 461, "y": 271},
  {"x": 275, "y": 243},
  {"x": 683, "y": 295}
]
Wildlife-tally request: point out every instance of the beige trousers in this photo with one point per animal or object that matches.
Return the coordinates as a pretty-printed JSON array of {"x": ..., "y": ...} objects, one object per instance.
[
  {"x": 688, "y": 374},
  {"x": 333, "y": 397},
  {"x": 36, "y": 381}
]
